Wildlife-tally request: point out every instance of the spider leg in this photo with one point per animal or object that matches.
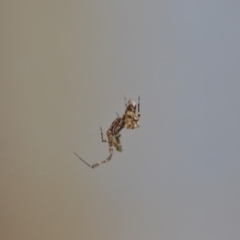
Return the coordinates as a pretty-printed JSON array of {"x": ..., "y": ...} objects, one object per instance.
[
  {"x": 139, "y": 114},
  {"x": 110, "y": 142},
  {"x": 98, "y": 163},
  {"x": 83, "y": 160},
  {"x": 104, "y": 161},
  {"x": 103, "y": 140}
]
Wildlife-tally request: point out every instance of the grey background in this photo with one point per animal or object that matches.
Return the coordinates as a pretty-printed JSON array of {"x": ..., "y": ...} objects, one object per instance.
[{"x": 65, "y": 69}]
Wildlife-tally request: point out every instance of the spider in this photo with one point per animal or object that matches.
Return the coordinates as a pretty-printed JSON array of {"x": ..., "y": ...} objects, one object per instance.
[{"x": 129, "y": 120}]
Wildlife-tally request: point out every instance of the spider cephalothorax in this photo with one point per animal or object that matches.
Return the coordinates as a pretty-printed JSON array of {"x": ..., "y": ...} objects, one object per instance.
[
  {"x": 130, "y": 120},
  {"x": 130, "y": 115}
]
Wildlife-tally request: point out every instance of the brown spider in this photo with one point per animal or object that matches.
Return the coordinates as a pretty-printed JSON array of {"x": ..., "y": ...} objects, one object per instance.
[{"x": 129, "y": 120}]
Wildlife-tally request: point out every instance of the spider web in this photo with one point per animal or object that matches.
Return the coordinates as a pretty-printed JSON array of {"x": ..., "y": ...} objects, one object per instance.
[
  {"x": 95, "y": 130},
  {"x": 92, "y": 136},
  {"x": 132, "y": 96}
]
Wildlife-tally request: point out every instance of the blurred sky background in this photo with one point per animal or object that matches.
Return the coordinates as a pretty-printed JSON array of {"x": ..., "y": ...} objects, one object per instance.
[{"x": 65, "y": 67}]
